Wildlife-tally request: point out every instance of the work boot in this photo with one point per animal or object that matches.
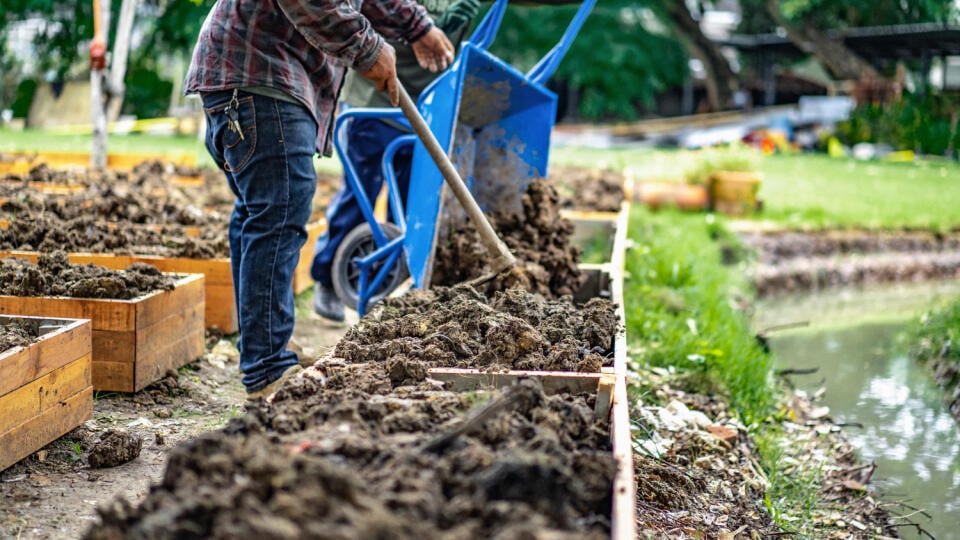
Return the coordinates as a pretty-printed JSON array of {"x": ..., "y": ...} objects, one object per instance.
[
  {"x": 327, "y": 304},
  {"x": 271, "y": 388}
]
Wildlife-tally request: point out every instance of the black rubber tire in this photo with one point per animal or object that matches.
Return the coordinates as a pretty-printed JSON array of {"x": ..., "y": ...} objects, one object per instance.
[{"x": 346, "y": 276}]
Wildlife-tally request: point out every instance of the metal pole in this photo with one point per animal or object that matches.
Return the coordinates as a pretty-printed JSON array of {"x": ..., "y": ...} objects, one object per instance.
[{"x": 98, "y": 51}]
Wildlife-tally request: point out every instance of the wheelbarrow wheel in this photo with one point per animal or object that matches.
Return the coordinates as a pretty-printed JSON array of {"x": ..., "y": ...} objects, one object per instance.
[{"x": 359, "y": 243}]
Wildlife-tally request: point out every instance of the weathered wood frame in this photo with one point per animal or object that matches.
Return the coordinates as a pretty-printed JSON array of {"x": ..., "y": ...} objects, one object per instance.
[
  {"x": 134, "y": 342},
  {"x": 45, "y": 388}
]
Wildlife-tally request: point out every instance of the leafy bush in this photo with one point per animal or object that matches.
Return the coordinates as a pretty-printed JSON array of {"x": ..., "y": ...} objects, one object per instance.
[
  {"x": 147, "y": 95},
  {"x": 21, "y": 103},
  {"x": 926, "y": 124},
  {"x": 711, "y": 161}
]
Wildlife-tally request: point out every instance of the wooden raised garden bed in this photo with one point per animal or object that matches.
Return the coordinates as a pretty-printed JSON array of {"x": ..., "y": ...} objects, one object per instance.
[
  {"x": 45, "y": 388},
  {"x": 135, "y": 342}
]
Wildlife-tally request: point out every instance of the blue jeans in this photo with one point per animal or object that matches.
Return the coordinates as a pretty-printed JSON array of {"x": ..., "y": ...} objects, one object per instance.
[
  {"x": 271, "y": 173},
  {"x": 367, "y": 138}
]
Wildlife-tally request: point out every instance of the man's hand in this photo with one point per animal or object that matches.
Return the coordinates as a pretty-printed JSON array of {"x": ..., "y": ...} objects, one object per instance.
[
  {"x": 433, "y": 51},
  {"x": 384, "y": 72}
]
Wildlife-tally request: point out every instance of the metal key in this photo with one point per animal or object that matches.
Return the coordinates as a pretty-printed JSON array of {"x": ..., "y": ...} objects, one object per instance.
[{"x": 233, "y": 115}]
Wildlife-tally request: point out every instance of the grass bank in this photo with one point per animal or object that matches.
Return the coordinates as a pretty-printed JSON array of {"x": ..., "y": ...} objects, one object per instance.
[
  {"x": 683, "y": 314},
  {"x": 934, "y": 340}
]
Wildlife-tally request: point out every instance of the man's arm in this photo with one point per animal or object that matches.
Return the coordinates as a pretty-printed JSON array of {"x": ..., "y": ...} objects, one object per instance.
[{"x": 333, "y": 26}]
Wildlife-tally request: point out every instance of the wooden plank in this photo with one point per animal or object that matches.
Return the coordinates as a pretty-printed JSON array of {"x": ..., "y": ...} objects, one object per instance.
[
  {"x": 20, "y": 406},
  {"x": 171, "y": 356},
  {"x": 302, "y": 280},
  {"x": 159, "y": 305},
  {"x": 113, "y": 376},
  {"x": 605, "y": 388},
  {"x": 114, "y": 346},
  {"x": 21, "y": 365},
  {"x": 590, "y": 216},
  {"x": 65, "y": 382},
  {"x": 105, "y": 314},
  {"x": 51, "y": 424},
  {"x": 168, "y": 344},
  {"x": 553, "y": 381},
  {"x": 623, "y": 518},
  {"x": 220, "y": 308}
]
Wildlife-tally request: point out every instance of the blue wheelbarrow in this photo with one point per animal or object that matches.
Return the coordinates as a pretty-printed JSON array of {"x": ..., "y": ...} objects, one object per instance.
[{"x": 494, "y": 123}]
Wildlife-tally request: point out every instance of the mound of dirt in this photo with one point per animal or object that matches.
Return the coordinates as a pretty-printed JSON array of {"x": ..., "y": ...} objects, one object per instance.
[
  {"x": 458, "y": 327},
  {"x": 328, "y": 459},
  {"x": 53, "y": 275},
  {"x": 539, "y": 238},
  {"x": 581, "y": 188},
  {"x": 17, "y": 332}
]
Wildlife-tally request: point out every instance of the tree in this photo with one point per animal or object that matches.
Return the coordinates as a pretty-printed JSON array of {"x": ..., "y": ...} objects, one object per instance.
[
  {"x": 721, "y": 82},
  {"x": 809, "y": 25},
  {"x": 617, "y": 62}
]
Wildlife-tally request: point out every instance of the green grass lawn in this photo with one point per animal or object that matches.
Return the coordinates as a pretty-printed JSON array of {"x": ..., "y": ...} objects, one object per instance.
[{"x": 813, "y": 190}]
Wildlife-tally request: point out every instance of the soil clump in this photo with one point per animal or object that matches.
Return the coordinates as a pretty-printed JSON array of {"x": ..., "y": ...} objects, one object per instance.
[
  {"x": 16, "y": 332},
  {"x": 53, "y": 275},
  {"x": 459, "y": 327},
  {"x": 599, "y": 190},
  {"x": 327, "y": 458},
  {"x": 539, "y": 238},
  {"x": 115, "y": 447}
]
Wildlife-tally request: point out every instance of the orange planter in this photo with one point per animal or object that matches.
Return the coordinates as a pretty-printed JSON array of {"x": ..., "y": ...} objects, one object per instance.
[
  {"x": 683, "y": 196},
  {"x": 733, "y": 193}
]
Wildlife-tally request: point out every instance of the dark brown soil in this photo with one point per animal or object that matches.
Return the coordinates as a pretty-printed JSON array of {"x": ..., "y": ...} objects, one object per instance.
[
  {"x": 89, "y": 235},
  {"x": 599, "y": 190},
  {"x": 115, "y": 447},
  {"x": 775, "y": 247},
  {"x": 145, "y": 211},
  {"x": 539, "y": 238},
  {"x": 53, "y": 275},
  {"x": 17, "y": 332},
  {"x": 329, "y": 459},
  {"x": 458, "y": 327},
  {"x": 793, "y": 261}
]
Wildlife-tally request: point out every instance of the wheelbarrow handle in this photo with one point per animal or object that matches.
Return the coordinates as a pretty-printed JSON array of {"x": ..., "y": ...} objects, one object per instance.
[
  {"x": 503, "y": 258},
  {"x": 548, "y": 64}
]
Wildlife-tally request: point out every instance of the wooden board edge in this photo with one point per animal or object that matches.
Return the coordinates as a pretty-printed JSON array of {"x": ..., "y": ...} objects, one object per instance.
[{"x": 52, "y": 424}]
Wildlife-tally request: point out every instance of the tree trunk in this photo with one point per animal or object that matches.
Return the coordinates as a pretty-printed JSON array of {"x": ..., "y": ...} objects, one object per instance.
[
  {"x": 842, "y": 63},
  {"x": 721, "y": 81}
]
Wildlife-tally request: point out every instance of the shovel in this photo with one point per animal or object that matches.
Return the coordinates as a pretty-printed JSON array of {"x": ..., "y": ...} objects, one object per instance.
[{"x": 502, "y": 258}]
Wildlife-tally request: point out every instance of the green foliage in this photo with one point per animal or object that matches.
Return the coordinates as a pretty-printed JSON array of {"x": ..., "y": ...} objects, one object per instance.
[
  {"x": 923, "y": 123},
  {"x": 721, "y": 159},
  {"x": 936, "y": 335},
  {"x": 678, "y": 308},
  {"x": 147, "y": 95},
  {"x": 615, "y": 63},
  {"x": 840, "y": 14},
  {"x": 24, "y": 97}
]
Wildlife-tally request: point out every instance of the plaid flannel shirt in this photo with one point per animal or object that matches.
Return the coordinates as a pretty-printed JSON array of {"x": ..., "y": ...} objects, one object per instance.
[{"x": 301, "y": 48}]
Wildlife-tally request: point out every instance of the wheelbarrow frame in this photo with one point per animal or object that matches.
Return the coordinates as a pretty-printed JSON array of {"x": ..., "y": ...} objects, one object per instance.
[{"x": 416, "y": 240}]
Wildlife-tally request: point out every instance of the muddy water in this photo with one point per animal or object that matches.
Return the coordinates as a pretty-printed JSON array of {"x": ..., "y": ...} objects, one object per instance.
[{"x": 852, "y": 340}]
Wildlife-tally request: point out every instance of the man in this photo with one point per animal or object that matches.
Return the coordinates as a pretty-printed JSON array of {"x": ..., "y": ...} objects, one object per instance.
[
  {"x": 367, "y": 138},
  {"x": 269, "y": 75}
]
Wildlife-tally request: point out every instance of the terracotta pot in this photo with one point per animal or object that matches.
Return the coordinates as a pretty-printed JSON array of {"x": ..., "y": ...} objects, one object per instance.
[
  {"x": 683, "y": 196},
  {"x": 733, "y": 193}
]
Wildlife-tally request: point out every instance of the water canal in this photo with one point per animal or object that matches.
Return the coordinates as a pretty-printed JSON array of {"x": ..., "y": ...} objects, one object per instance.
[{"x": 851, "y": 337}]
